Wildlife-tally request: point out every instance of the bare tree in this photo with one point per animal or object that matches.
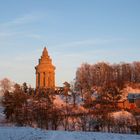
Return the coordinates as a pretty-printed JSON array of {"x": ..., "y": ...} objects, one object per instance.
[{"x": 5, "y": 85}]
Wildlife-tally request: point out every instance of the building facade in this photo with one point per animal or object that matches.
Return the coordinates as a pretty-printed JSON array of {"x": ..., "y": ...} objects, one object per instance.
[{"x": 45, "y": 71}]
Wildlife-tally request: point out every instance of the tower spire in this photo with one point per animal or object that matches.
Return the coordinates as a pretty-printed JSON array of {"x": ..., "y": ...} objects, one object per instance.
[{"x": 45, "y": 52}]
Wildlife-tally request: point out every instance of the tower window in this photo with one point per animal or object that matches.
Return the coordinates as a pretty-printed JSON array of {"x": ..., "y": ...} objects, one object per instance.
[
  {"x": 38, "y": 79},
  {"x": 44, "y": 81}
]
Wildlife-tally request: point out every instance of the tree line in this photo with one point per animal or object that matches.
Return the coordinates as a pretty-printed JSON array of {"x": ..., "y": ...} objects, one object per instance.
[
  {"x": 87, "y": 103},
  {"x": 102, "y": 74}
]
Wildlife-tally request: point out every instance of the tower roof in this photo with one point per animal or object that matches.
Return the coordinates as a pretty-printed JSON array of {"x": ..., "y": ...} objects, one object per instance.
[
  {"x": 45, "y": 52},
  {"x": 45, "y": 58}
]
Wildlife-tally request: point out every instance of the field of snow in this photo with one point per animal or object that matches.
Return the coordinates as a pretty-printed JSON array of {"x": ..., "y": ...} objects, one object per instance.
[{"x": 25, "y": 133}]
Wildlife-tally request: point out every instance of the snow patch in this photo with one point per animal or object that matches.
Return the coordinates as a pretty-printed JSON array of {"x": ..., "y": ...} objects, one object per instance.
[{"x": 26, "y": 133}]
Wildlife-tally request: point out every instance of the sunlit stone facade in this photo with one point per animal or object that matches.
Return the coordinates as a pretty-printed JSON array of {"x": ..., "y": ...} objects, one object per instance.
[{"x": 45, "y": 71}]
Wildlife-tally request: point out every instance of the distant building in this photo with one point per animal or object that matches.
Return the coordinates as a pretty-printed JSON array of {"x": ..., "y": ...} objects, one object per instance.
[
  {"x": 45, "y": 71},
  {"x": 131, "y": 102},
  {"x": 134, "y": 98}
]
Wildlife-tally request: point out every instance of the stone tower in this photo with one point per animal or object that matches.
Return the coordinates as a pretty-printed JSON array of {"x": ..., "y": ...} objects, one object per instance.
[{"x": 45, "y": 72}]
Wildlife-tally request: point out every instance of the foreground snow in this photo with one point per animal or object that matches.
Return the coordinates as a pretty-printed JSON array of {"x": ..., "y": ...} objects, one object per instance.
[{"x": 22, "y": 133}]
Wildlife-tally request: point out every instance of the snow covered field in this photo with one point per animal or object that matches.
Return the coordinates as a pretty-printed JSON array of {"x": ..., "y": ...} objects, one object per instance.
[{"x": 22, "y": 133}]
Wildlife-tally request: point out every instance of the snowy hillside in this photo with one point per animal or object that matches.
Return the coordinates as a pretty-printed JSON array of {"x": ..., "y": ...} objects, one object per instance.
[{"x": 21, "y": 133}]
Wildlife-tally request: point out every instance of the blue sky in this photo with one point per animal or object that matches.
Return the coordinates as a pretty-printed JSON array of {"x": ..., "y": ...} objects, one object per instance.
[{"x": 74, "y": 31}]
